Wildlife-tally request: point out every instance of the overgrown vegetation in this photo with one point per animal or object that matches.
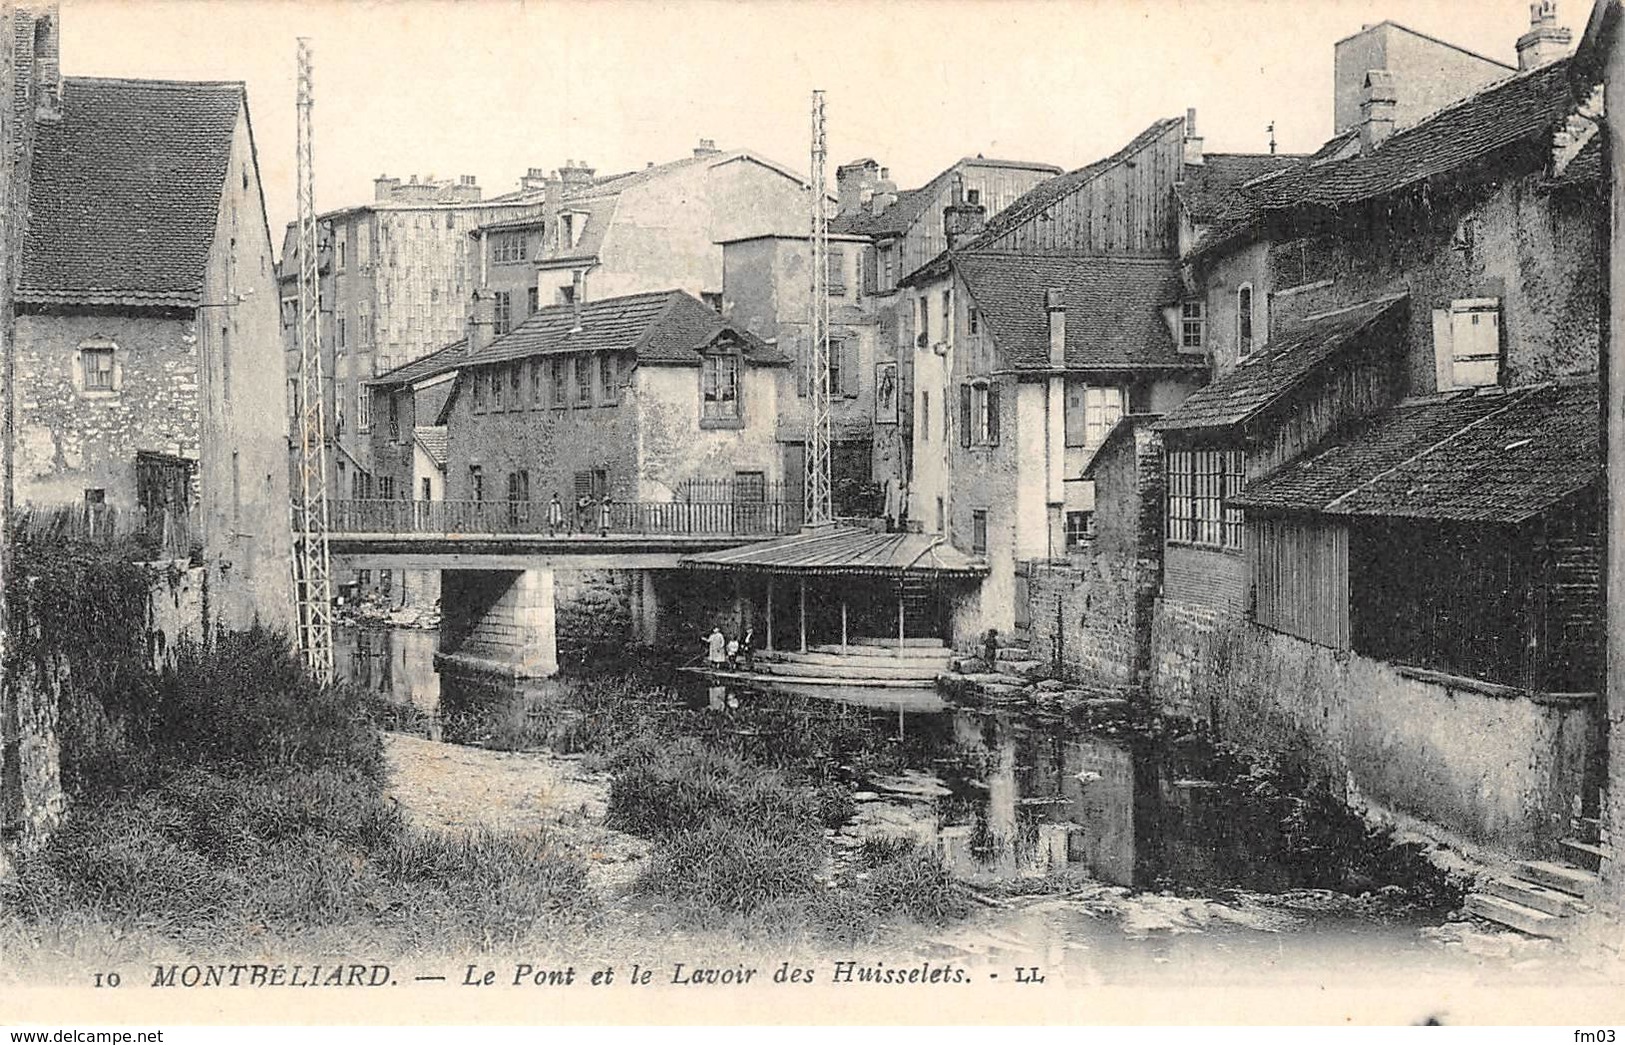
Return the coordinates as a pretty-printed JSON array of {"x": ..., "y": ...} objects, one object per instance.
[{"x": 228, "y": 801}]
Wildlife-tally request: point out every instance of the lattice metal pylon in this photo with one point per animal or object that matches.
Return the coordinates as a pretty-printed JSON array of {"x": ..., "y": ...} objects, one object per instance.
[
  {"x": 313, "y": 585},
  {"x": 818, "y": 507}
]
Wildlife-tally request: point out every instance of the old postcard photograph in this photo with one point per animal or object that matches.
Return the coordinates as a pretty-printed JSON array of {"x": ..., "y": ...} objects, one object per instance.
[{"x": 531, "y": 512}]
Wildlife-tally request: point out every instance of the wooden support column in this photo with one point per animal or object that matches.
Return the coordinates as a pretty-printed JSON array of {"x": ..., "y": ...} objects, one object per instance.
[
  {"x": 803, "y": 614},
  {"x": 770, "y": 613},
  {"x": 899, "y": 620},
  {"x": 843, "y": 623}
]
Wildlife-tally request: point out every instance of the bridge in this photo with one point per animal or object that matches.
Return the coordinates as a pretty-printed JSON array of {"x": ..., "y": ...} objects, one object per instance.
[{"x": 497, "y": 561}]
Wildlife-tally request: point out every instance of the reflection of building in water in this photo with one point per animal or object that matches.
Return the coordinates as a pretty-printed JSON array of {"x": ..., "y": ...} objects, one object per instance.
[{"x": 1098, "y": 780}]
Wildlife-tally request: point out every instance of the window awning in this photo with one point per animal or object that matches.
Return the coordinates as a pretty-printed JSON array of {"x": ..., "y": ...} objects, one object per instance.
[{"x": 840, "y": 549}]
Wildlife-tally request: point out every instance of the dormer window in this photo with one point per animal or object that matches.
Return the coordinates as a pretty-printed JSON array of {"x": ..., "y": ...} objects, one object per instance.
[
  {"x": 571, "y": 225},
  {"x": 1244, "y": 321},
  {"x": 1192, "y": 325},
  {"x": 719, "y": 386}
]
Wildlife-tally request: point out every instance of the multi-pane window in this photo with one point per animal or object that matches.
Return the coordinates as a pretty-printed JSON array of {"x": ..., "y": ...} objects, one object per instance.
[
  {"x": 1101, "y": 409},
  {"x": 1244, "y": 320},
  {"x": 537, "y": 384},
  {"x": 973, "y": 318},
  {"x": 1079, "y": 528},
  {"x": 97, "y": 360},
  {"x": 509, "y": 247},
  {"x": 609, "y": 380},
  {"x": 978, "y": 415},
  {"x": 476, "y": 482},
  {"x": 482, "y": 382},
  {"x": 504, "y": 312},
  {"x": 1199, "y": 482},
  {"x": 1192, "y": 324},
  {"x": 720, "y": 387},
  {"x": 835, "y": 263},
  {"x": 583, "y": 368},
  {"x": 533, "y": 300},
  {"x": 394, "y": 416},
  {"x": 978, "y": 531},
  {"x": 363, "y": 409},
  {"x": 560, "y": 382},
  {"x": 516, "y": 387},
  {"x": 386, "y": 487}
]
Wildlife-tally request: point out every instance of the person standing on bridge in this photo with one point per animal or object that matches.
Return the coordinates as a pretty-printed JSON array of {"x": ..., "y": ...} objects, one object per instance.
[
  {"x": 555, "y": 515},
  {"x": 583, "y": 520},
  {"x": 604, "y": 507},
  {"x": 716, "y": 649}
]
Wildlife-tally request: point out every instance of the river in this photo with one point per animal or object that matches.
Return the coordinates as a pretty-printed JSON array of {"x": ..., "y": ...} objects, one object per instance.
[{"x": 1195, "y": 863}]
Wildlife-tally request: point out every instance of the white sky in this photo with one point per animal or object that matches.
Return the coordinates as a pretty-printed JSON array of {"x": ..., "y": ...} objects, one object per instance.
[{"x": 491, "y": 87}]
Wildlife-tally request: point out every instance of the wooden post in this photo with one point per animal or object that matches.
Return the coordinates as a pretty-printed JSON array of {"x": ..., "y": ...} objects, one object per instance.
[
  {"x": 899, "y": 619},
  {"x": 803, "y": 614},
  {"x": 843, "y": 624},
  {"x": 770, "y": 613}
]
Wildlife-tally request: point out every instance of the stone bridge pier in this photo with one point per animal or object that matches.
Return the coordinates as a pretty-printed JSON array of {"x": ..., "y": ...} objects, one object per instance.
[{"x": 498, "y": 623}]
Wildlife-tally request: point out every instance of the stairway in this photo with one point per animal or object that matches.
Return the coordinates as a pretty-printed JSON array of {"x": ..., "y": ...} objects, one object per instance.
[{"x": 1542, "y": 897}]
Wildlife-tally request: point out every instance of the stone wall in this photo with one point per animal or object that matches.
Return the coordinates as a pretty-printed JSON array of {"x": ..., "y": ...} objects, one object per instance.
[
  {"x": 594, "y": 608},
  {"x": 1082, "y": 617},
  {"x": 1491, "y": 766}
]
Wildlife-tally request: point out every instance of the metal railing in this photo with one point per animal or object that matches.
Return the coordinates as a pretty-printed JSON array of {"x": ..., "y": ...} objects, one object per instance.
[{"x": 669, "y": 518}]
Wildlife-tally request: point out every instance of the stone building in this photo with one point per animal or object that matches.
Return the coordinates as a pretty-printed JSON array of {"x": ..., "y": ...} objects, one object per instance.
[
  {"x": 1381, "y": 551},
  {"x": 147, "y": 370},
  {"x": 396, "y": 275}
]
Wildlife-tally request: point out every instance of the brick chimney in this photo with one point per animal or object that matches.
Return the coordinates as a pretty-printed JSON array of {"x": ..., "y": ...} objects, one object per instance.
[
  {"x": 535, "y": 180},
  {"x": 961, "y": 220},
  {"x": 1193, "y": 141},
  {"x": 1377, "y": 108},
  {"x": 482, "y": 320},
  {"x": 1546, "y": 41},
  {"x": 384, "y": 187},
  {"x": 855, "y": 184},
  {"x": 1055, "y": 305},
  {"x": 576, "y": 176},
  {"x": 885, "y": 193},
  {"x": 467, "y": 189},
  {"x": 707, "y": 147}
]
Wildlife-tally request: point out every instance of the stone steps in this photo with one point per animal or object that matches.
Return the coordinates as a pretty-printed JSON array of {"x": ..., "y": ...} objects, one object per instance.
[
  {"x": 1586, "y": 829},
  {"x": 1562, "y": 877},
  {"x": 1515, "y": 915},
  {"x": 1585, "y": 855},
  {"x": 847, "y": 670},
  {"x": 1540, "y": 897}
]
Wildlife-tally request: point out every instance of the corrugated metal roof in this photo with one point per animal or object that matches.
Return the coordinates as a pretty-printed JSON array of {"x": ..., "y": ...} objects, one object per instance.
[{"x": 837, "y": 549}]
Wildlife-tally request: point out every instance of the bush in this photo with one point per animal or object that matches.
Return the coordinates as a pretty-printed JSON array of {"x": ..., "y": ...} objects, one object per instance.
[{"x": 732, "y": 866}]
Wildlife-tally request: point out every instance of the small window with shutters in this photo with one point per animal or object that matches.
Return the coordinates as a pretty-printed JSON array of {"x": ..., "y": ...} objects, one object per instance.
[
  {"x": 967, "y": 404},
  {"x": 869, "y": 281},
  {"x": 835, "y": 267},
  {"x": 978, "y": 531}
]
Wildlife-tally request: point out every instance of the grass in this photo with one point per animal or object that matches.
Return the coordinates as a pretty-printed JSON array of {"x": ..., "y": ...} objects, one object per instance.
[{"x": 237, "y": 802}]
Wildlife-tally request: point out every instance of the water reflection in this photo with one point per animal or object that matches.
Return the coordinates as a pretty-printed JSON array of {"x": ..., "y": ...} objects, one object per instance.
[{"x": 395, "y": 662}]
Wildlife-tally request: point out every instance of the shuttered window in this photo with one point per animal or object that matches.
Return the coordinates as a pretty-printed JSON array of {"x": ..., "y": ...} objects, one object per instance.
[{"x": 966, "y": 408}]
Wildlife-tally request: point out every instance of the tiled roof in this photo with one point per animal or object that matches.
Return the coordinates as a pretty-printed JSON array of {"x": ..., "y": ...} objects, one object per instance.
[
  {"x": 1041, "y": 196},
  {"x": 668, "y": 326},
  {"x": 437, "y": 362},
  {"x": 1207, "y": 188},
  {"x": 1586, "y": 167},
  {"x": 433, "y": 440},
  {"x": 1123, "y": 429},
  {"x": 840, "y": 549},
  {"x": 1285, "y": 364},
  {"x": 125, "y": 192},
  {"x": 1522, "y": 107},
  {"x": 910, "y": 205},
  {"x": 1497, "y": 458},
  {"x": 1114, "y": 307}
]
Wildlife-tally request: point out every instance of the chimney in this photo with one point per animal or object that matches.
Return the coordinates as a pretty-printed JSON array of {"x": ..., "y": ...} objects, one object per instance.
[
  {"x": 535, "y": 180},
  {"x": 1055, "y": 305},
  {"x": 552, "y": 198},
  {"x": 855, "y": 184},
  {"x": 576, "y": 176},
  {"x": 1546, "y": 41},
  {"x": 1377, "y": 104},
  {"x": 885, "y": 193},
  {"x": 1193, "y": 141},
  {"x": 47, "y": 71},
  {"x": 707, "y": 147},
  {"x": 482, "y": 320},
  {"x": 467, "y": 189},
  {"x": 961, "y": 220},
  {"x": 578, "y": 297},
  {"x": 383, "y": 187}
]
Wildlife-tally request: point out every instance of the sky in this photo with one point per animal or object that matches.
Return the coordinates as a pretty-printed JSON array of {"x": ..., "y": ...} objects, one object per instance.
[{"x": 492, "y": 87}]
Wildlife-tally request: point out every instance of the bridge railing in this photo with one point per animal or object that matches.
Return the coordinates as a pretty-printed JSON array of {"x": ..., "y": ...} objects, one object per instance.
[{"x": 659, "y": 518}]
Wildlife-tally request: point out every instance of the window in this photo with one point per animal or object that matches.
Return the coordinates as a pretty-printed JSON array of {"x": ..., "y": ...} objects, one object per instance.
[
  {"x": 394, "y": 416},
  {"x": 363, "y": 409},
  {"x": 592, "y": 485},
  {"x": 1192, "y": 324},
  {"x": 95, "y": 495},
  {"x": 843, "y": 367},
  {"x": 835, "y": 268},
  {"x": 973, "y": 319},
  {"x": 363, "y": 577},
  {"x": 941, "y": 516},
  {"x": 560, "y": 382},
  {"x": 428, "y": 489},
  {"x": 386, "y": 487},
  {"x": 225, "y": 362},
  {"x": 1475, "y": 342},
  {"x": 583, "y": 368},
  {"x": 750, "y": 487},
  {"x": 537, "y": 384},
  {"x": 516, "y": 386},
  {"x": 978, "y": 531},
  {"x": 1244, "y": 321},
  {"x": 96, "y": 358},
  {"x": 720, "y": 387},
  {"x": 1080, "y": 526},
  {"x": 967, "y": 410},
  {"x": 712, "y": 299},
  {"x": 925, "y": 415},
  {"x": 922, "y": 320},
  {"x": 476, "y": 482},
  {"x": 973, "y": 197},
  {"x": 481, "y": 385},
  {"x": 343, "y": 251},
  {"x": 1102, "y": 408},
  {"x": 564, "y": 295},
  {"x": 341, "y": 333},
  {"x": 504, "y": 311},
  {"x": 609, "y": 380},
  {"x": 533, "y": 300},
  {"x": 509, "y": 247},
  {"x": 947, "y": 313},
  {"x": 1198, "y": 483},
  {"x": 888, "y": 265},
  {"x": 518, "y": 493},
  {"x": 978, "y": 414}
]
